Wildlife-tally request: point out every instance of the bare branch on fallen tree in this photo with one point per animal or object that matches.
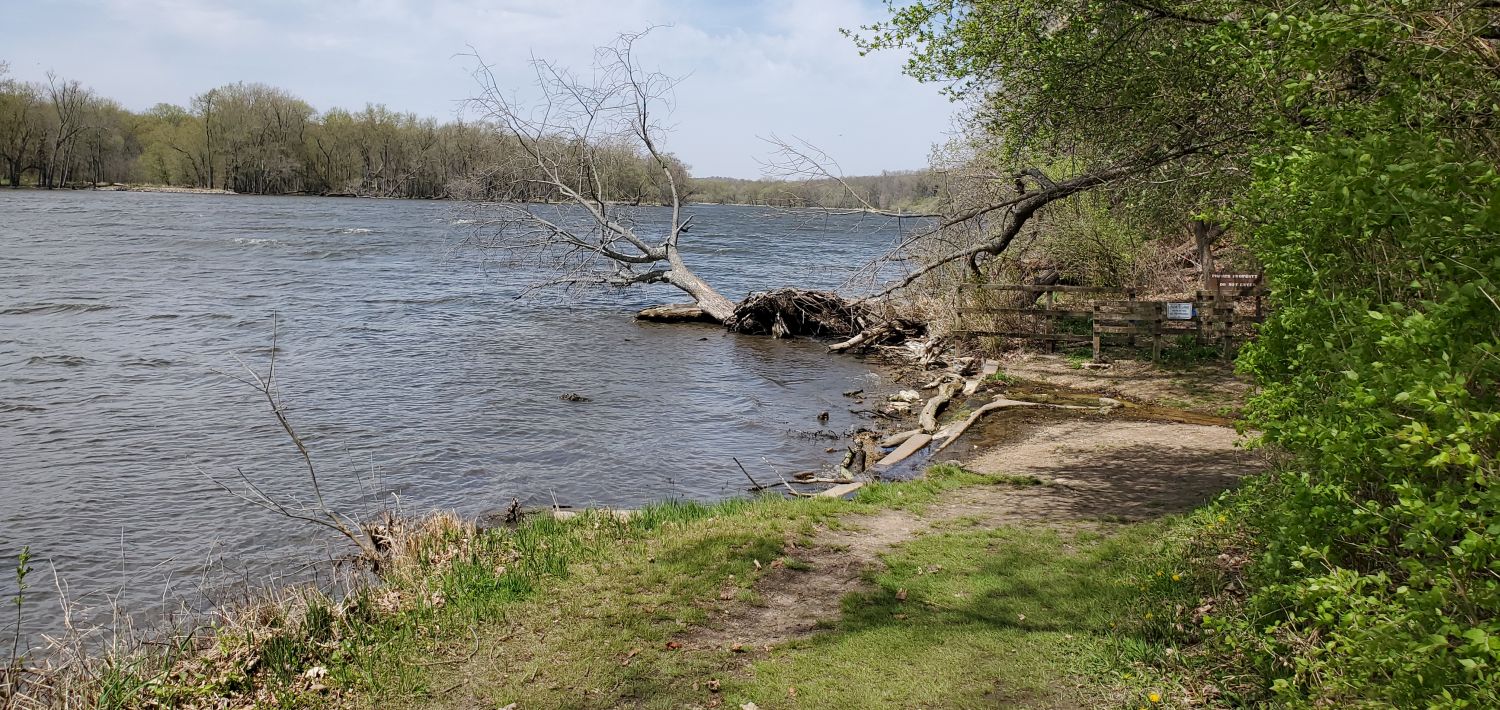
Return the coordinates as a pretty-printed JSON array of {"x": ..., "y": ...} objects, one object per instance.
[
  {"x": 797, "y": 159},
  {"x": 570, "y": 140},
  {"x": 1017, "y": 209}
]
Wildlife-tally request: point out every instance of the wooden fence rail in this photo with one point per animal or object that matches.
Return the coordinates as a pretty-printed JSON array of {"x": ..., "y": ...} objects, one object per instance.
[{"x": 1210, "y": 316}]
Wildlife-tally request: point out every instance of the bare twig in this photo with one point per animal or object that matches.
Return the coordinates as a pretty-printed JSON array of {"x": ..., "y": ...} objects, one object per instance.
[
  {"x": 755, "y": 486},
  {"x": 318, "y": 512}
]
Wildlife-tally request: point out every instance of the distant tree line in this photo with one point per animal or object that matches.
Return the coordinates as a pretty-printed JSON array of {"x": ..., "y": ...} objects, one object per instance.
[
  {"x": 909, "y": 190},
  {"x": 254, "y": 138}
]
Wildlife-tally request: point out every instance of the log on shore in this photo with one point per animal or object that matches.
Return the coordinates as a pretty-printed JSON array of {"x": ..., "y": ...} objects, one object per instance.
[
  {"x": 843, "y": 490},
  {"x": 884, "y": 332},
  {"x": 676, "y": 313},
  {"x": 927, "y": 420},
  {"x": 899, "y": 438},
  {"x": 905, "y": 450},
  {"x": 989, "y": 368},
  {"x": 957, "y": 430}
]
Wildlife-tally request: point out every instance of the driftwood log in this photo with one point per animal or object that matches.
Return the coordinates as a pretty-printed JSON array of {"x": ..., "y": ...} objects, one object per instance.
[
  {"x": 956, "y": 430},
  {"x": 905, "y": 450},
  {"x": 927, "y": 420},
  {"x": 676, "y": 313},
  {"x": 882, "y": 332},
  {"x": 899, "y": 438},
  {"x": 792, "y": 312}
]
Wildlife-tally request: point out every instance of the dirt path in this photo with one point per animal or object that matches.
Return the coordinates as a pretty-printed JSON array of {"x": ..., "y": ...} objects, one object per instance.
[
  {"x": 794, "y": 601},
  {"x": 1093, "y": 471},
  {"x": 1204, "y": 388}
]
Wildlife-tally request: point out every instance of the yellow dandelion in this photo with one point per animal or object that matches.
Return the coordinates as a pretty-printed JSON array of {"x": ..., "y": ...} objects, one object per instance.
[
  {"x": 1148, "y": 616},
  {"x": 1154, "y": 698},
  {"x": 1176, "y": 578}
]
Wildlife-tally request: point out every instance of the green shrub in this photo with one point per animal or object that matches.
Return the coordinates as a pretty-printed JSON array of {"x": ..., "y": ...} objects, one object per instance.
[{"x": 1376, "y": 220}]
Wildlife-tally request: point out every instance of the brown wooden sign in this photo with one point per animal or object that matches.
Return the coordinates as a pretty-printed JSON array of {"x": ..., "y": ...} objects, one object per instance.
[{"x": 1238, "y": 284}]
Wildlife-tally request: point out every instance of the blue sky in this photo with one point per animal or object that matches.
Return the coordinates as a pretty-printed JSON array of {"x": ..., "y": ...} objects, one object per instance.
[{"x": 755, "y": 68}]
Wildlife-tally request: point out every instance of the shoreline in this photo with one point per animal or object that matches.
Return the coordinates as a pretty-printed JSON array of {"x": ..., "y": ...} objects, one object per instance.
[
  {"x": 687, "y": 588},
  {"x": 182, "y": 190}
]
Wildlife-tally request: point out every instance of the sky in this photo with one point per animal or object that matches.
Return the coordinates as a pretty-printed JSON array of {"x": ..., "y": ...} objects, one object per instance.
[{"x": 753, "y": 68}]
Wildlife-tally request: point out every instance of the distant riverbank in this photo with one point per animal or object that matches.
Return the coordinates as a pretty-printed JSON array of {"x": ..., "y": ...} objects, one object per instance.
[
  {"x": 123, "y": 187},
  {"x": 161, "y": 188}
]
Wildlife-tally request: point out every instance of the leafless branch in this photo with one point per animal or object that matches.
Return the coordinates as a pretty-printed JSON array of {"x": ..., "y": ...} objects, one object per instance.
[
  {"x": 318, "y": 511},
  {"x": 580, "y": 141},
  {"x": 1017, "y": 208},
  {"x": 797, "y": 159}
]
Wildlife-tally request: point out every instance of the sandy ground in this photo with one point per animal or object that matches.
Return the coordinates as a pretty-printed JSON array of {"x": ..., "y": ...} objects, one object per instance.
[{"x": 1206, "y": 387}]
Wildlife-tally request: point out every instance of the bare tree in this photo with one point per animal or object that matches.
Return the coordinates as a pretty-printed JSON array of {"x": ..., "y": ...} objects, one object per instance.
[
  {"x": 564, "y": 138},
  {"x": 69, "y": 99}
]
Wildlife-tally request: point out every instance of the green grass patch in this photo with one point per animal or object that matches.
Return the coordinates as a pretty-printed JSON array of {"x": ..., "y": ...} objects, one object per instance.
[
  {"x": 916, "y": 495},
  {"x": 1002, "y": 378},
  {"x": 1076, "y": 358},
  {"x": 984, "y": 618},
  {"x": 597, "y": 633},
  {"x": 596, "y": 611}
]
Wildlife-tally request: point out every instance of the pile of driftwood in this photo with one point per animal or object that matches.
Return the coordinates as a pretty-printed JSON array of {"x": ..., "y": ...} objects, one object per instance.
[
  {"x": 870, "y": 455},
  {"x": 794, "y": 312},
  {"x": 787, "y": 312},
  {"x": 949, "y": 384}
]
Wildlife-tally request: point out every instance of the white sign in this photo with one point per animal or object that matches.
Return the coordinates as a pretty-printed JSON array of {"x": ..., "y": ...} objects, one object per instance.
[{"x": 1179, "y": 311}]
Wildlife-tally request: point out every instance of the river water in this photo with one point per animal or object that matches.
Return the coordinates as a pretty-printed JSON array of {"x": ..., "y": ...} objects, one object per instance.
[{"x": 407, "y": 362}]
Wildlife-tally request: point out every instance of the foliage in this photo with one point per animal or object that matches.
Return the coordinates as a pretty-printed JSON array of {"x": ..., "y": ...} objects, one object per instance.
[
  {"x": 1359, "y": 163},
  {"x": 254, "y": 138},
  {"x": 1074, "y": 90},
  {"x": 1376, "y": 217},
  {"x": 1090, "y": 242},
  {"x": 14, "y": 664},
  {"x": 909, "y": 190}
]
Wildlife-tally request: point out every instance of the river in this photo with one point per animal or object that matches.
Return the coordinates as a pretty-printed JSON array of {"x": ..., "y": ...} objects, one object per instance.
[{"x": 411, "y": 365}]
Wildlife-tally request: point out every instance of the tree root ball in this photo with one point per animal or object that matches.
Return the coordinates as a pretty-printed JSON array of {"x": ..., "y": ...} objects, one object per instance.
[{"x": 788, "y": 312}]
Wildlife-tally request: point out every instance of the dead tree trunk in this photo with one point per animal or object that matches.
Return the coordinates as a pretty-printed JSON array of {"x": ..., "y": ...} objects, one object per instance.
[
  {"x": 1205, "y": 234},
  {"x": 712, "y": 302}
]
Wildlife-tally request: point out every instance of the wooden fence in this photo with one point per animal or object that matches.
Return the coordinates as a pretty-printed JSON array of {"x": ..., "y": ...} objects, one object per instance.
[{"x": 1210, "y": 316}]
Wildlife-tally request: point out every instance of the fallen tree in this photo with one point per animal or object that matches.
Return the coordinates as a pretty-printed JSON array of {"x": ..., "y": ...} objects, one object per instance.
[{"x": 571, "y": 137}]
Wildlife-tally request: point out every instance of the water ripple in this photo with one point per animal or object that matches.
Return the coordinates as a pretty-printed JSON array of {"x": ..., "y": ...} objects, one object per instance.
[{"x": 405, "y": 362}]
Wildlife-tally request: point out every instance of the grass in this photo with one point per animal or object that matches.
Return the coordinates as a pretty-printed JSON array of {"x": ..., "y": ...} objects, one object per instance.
[
  {"x": 915, "y": 495},
  {"x": 1185, "y": 351},
  {"x": 596, "y": 611},
  {"x": 601, "y": 637},
  {"x": 979, "y": 618},
  {"x": 1077, "y": 357},
  {"x": 1003, "y": 378}
]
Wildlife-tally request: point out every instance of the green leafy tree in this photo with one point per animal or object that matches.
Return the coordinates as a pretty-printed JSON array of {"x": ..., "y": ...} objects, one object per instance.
[{"x": 1356, "y": 154}]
